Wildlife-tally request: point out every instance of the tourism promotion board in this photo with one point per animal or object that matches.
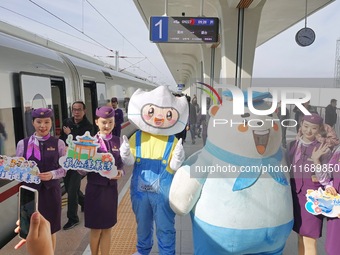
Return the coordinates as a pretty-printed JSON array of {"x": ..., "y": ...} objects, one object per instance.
[
  {"x": 321, "y": 202},
  {"x": 82, "y": 155},
  {"x": 19, "y": 169}
]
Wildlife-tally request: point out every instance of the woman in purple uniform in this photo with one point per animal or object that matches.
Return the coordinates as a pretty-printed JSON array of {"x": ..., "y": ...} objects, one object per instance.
[
  {"x": 101, "y": 194},
  {"x": 333, "y": 187},
  {"x": 305, "y": 154},
  {"x": 45, "y": 150}
]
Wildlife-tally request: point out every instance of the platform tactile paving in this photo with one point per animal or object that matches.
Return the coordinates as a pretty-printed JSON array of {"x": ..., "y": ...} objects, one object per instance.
[{"x": 124, "y": 232}]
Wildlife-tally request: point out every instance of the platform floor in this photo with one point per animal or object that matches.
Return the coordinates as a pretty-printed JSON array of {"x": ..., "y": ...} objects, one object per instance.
[{"x": 75, "y": 241}]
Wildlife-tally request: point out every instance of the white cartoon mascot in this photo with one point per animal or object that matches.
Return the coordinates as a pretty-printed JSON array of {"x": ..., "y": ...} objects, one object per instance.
[
  {"x": 236, "y": 187},
  {"x": 157, "y": 154}
]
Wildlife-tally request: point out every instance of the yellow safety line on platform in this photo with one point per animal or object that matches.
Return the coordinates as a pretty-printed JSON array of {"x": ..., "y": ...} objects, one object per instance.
[{"x": 124, "y": 236}]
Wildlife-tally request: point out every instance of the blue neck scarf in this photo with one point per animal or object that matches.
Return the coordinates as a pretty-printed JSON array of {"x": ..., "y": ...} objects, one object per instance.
[{"x": 247, "y": 179}]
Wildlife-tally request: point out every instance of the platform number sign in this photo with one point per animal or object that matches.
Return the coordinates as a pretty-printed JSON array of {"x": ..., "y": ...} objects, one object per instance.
[
  {"x": 165, "y": 29},
  {"x": 159, "y": 29}
]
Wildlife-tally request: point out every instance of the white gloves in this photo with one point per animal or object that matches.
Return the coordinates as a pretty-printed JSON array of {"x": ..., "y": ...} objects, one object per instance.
[
  {"x": 125, "y": 153},
  {"x": 178, "y": 156}
]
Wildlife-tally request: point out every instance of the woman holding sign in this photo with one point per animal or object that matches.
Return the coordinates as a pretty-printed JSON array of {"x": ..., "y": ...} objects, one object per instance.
[
  {"x": 45, "y": 150},
  {"x": 305, "y": 155},
  {"x": 332, "y": 176},
  {"x": 101, "y": 194}
]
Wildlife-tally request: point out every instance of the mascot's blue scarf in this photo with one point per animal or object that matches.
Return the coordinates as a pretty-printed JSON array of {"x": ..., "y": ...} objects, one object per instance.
[{"x": 247, "y": 179}]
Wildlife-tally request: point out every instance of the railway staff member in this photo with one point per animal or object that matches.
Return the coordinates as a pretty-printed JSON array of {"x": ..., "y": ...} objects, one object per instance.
[
  {"x": 101, "y": 194},
  {"x": 331, "y": 177},
  {"x": 45, "y": 150},
  {"x": 303, "y": 154},
  {"x": 78, "y": 124},
  {"x": 119, "y": 117}
]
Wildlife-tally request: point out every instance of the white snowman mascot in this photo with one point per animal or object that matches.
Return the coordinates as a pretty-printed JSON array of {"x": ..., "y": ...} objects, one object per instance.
[{"x": 237, "y": 187}]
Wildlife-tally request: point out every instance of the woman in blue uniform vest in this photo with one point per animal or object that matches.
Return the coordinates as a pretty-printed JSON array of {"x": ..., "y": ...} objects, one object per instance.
[
  {"x": 101, "y": 194},
  {"x": 45, "y": 150}
]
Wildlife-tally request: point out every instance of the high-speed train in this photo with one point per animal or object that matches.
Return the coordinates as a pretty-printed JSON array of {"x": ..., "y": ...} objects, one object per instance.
[{"x": 33, "y": 76}]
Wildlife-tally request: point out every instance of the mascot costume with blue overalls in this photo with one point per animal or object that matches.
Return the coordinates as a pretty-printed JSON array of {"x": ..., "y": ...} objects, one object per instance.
[
  {"x": 156, "y": 154},
  {"x": 237, "y": 187}
]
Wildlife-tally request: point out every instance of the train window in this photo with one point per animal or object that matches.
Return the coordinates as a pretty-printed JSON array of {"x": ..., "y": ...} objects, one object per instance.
[
  {"x": 91, "y": 100},
  {"x": 4, "y": 128},
  {"x": 35, "y": 93},
  {"x": 101, "y": 94},
  {"x": 126, "y": 104},
  {"x": 59, "y": 102},
  {"x": 42, "y": 91}
]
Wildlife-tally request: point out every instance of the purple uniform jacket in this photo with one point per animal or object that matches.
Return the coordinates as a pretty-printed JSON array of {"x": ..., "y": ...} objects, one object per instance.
[
  {"x": 49, "y": 160},
  {"x": 334, "y": 164},
  {"x": 333, "y": 224},
  {"x": 301, "y": 169},
  {"x": 49, "y": 191},
  {"x": 112, "y": 146}
]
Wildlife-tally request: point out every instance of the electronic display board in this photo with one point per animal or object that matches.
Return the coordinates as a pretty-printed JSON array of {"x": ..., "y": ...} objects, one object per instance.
[{"x": 165, "y": 29}]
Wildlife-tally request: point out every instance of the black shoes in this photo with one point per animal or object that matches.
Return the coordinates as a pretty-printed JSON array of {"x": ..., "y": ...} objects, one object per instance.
[{"x": 70, "y": 224}]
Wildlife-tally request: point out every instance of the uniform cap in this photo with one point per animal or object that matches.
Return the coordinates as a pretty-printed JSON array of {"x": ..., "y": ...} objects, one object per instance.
[
  {"x": 313, "y": 118},
  {"x": 105, "y": 112},
  {"x": 42, "y": 113},
  {"x": 114, "y": 99}
]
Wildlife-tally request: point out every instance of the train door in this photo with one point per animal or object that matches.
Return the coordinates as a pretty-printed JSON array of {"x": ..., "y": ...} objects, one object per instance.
[
  {"x": 95, "y": 96},
  {"x": 42, "y": 91}
]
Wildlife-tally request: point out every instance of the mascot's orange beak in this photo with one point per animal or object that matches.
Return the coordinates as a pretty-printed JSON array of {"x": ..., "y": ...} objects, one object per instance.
[
  {"x": 261, "y": 138},
  {"x": 158, "y": 121}
]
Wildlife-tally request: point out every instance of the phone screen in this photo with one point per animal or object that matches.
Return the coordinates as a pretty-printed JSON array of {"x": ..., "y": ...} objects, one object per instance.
[{"x": 27, "y": 206}]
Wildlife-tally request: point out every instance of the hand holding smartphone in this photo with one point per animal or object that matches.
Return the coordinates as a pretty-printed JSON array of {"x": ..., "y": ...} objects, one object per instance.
[{"x": 28, "y": 204}]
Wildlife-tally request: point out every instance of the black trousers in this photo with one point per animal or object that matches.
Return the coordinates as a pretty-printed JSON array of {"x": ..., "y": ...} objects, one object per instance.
[{"x": 74, "y": 195}]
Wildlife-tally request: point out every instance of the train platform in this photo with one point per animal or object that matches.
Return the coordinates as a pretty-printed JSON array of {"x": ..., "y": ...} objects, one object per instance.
[{"x": 76, "y": 241}]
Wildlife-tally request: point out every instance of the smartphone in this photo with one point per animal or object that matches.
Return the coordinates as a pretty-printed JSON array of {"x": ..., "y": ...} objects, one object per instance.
[{"x": 28, "y": 204}]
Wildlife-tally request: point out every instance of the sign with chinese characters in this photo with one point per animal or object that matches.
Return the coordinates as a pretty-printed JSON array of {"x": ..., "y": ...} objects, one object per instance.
[
  {"x": 82, "y": 155},
  {"x": 165, "y": 29},
  {"x": 19, "y": 169}
]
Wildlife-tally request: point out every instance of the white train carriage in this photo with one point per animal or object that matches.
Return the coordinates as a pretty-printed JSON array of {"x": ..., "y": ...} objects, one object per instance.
[{"x": 33, "y": 76}]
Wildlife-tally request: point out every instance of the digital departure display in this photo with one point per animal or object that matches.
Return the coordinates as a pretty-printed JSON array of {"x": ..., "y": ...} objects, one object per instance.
[{"x": 183, "y": 29}]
